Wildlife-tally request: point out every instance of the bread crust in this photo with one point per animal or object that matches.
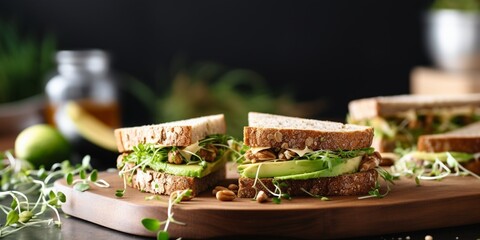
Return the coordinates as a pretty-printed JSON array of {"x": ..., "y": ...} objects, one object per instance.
[
  {"x": 359, "y": 183},
  {"x": 177, "y": 133},
  {"x": 314, "y": 139},
  {"x": 443, "y": 143},
  {"x": 385, "y": 106}
]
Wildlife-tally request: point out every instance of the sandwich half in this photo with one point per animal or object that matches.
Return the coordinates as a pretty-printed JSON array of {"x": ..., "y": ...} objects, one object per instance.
[
  {"x": 399, "y": 120},
  {"x": 298, "y": 156},
  {"x": 179, "y": 155},
  {"x": 462, "y": 145}
]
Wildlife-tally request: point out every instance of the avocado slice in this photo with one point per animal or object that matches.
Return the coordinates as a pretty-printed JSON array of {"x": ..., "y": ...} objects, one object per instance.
[
  {"x": 294, "y": 167},
  {"x": 350, "y": 166},
  {"x": 191, "y": 170},
  {"x": 442, "y": 156}
]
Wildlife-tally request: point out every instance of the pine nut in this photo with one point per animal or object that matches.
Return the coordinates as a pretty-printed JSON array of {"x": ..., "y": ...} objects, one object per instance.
[
  {"x": 218, "y": 188},
  {"x": 225, "y": 195},
  {"x": 261, "y": 197},
  {"x": 278, "y": 136},
  {"x": 233, "y": 187}
]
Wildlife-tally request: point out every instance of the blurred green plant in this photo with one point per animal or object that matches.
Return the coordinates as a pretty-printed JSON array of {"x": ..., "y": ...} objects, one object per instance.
[
  {"x": 24, "y": 62},
  {"x": 205, "y": 88},
  {"x": 462, "y": 5}
]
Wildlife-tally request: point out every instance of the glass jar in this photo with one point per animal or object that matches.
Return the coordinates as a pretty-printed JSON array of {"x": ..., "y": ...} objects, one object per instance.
[{"x": 85, "y": 77}]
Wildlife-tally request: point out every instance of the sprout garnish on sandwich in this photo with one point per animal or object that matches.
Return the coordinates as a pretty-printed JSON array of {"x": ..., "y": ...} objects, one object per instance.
[
  {"x": 399, "y": 120},
  {"x": 437, "y": 156},
  {"x": 291, "y": 156},
  {"x": 185, "y": 154}
]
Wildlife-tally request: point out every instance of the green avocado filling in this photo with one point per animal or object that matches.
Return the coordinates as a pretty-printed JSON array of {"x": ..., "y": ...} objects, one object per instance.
[
  {"x": 191, "y": 161},
  {"x": 442, "y": 156},
  {"x": 405, "y": 130},
  {"x": 322, "y": 163}
]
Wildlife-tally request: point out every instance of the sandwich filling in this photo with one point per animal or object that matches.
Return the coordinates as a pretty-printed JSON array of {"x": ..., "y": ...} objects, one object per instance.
[
  {"x": 403, "y": 129},
  {"x": 437, "y": 165},
  {"x": 283, "y": 164},
  {"x": 196, "y": 160}
]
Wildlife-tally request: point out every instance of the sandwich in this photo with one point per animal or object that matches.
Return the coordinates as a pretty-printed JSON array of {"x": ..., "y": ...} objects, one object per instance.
[
  {"x": 458, "y": 148},
  {"x": 290, "y": 156},
  {"x": 179, "y": 155},
  {"x": 399, "y": 120}
]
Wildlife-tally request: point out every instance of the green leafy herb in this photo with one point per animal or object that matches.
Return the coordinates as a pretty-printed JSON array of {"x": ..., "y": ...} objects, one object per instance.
[
  {"x": 426, "y": 166},
  {"x": 25, "y": 59},
  {"x": 150, "y": 155},
  {"x": 83, "y": 183},
  {"x": 32, "y": 195},
  {"x": 336, "y": 155},
  {"x": 462, "y": 5},
  {"x": 156, "y": 157},
  {"x": 276, "y": 200},
  {"x": 119, "y": 193},
  {"x": 163, "y": 235},
  {"x": 276, "y": 193},
  {"x": 323, "y": 198},
  {"x": 154, "y": 225},
  {"x": 375, "y": 192}
]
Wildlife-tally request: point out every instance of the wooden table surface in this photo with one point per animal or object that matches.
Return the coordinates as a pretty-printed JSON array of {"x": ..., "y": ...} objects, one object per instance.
[{"x": 408, "y": 207}]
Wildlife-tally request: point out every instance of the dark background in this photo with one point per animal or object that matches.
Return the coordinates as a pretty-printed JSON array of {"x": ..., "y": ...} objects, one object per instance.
[{"x": 334, "y": 50}]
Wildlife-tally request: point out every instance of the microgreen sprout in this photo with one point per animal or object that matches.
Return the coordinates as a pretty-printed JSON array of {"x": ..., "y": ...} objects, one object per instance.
[
  {"x": 437, "y": 168},
  {"x": 375, "y": 192},
  {"x": 154, "y": 225},
  {"x": 82, "y": 184},
  {"x": 156, "y": 157},
  {"x": 32, "y": 195},
  {"x": 277, "y": 193},
  {"x": 323, "y": 198}
]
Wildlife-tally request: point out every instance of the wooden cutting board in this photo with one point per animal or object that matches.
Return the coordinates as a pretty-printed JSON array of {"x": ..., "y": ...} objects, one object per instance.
[{"x": 451, "y": 202}]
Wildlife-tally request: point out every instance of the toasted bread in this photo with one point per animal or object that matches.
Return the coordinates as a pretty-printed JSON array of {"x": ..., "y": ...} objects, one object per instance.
[
  {"x": 349, "y": 184},
  {"x": 177, "y": 133},
  {"x": 268, "y": 130},
  {"x": 465, "y": 139},
  {"x": 386, "y": 106}
]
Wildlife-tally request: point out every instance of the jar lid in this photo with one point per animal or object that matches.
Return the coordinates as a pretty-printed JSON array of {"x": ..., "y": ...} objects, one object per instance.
[{"x": 92, "y": 59}]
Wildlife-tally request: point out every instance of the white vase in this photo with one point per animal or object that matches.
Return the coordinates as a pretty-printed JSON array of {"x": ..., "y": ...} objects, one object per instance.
[{"x": 453, "y": 39}]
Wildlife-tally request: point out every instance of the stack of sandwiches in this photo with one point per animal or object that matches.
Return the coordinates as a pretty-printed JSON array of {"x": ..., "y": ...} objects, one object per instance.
[
  {"x": 400, "y": 120},
  {"x": 297, "y": 156},
  {"x": 293, "y": 155}
]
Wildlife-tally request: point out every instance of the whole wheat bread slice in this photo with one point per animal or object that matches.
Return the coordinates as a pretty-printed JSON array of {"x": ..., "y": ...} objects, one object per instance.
[
  {"x": 270, "y": 130},
  {"x": 176, "y": 133},
  {"x": 359, "y": 183},
  {"x": 385, "y": 106},
  {"x": 465, "y": 139}
]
